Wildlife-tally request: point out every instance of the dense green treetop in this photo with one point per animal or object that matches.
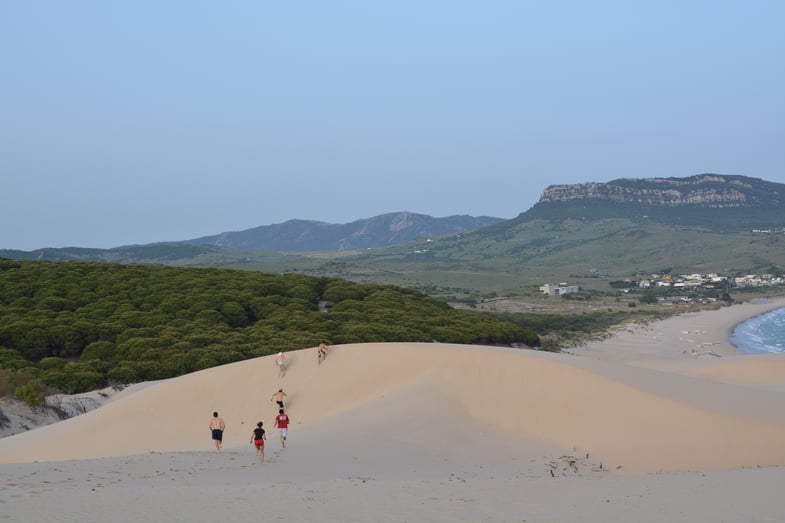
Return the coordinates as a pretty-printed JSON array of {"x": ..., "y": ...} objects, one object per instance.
[{"x": 78, "y": 326}]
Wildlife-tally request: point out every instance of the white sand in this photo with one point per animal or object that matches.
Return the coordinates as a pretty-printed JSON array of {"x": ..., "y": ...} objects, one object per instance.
[{"x": 645, "y": 426}]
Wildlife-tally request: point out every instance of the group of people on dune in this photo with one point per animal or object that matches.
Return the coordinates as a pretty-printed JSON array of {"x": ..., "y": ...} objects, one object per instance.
[
  {"x": 259, "y": 435},
  {"x": 280, "y": 359}
]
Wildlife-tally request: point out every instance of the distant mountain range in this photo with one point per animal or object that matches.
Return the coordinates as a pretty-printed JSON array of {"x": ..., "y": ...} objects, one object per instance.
[
  {"x": 717, "y": 202},
  {"x": 707, "y": 220},
  {"x": 379, "y": 231},
  {"x": 293, "y": 236}
]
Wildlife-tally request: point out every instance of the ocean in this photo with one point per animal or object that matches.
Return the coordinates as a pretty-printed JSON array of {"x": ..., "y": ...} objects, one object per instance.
[{"x": 761, "y": 334}]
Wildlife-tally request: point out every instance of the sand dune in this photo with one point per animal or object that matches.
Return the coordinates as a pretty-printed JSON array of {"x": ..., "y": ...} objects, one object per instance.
[
  {"x": 438, "y": 416},
  {"x": 559, "y": 400},
  {"x": 763, "y": 370}
]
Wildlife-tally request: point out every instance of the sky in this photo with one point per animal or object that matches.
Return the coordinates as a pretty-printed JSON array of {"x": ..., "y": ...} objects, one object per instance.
[{"x": 138, "y": 121}]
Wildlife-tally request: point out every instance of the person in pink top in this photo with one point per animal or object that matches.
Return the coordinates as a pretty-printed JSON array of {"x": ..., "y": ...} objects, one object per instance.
[{"x": 282, "y": 422}]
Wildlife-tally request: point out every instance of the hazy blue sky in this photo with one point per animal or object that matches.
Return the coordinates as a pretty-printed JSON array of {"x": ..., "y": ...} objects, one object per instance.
[{"x": 139, "y": 121}]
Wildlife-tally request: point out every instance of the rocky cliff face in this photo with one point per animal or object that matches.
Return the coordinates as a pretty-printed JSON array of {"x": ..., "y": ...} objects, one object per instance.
[{"x": 704, "y": 190}]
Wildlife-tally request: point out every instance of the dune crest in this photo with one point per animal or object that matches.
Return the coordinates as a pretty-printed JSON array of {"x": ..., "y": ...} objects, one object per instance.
[{"x": 559, "y": 400}]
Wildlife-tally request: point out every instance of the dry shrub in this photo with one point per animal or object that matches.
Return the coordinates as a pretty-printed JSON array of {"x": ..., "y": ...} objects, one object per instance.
[{"x": 11, "y": 379}]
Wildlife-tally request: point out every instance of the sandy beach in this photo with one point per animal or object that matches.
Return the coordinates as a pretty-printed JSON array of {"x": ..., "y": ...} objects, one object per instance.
[{"x": 663, "y": 422}]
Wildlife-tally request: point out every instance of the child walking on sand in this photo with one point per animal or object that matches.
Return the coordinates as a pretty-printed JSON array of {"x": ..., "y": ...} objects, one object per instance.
[{"x": 257, "y": 438}]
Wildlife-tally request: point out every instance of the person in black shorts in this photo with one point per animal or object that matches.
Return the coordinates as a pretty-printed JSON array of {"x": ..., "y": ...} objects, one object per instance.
[
  {"x": 217, "y": 427},
  {"x": 278, "y": 397}
]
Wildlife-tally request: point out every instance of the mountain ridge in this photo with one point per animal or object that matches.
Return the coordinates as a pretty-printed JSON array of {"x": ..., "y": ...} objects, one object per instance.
[
  {"x": 721, "y": 203},
  {"x": 378, "y": 231},
  {"x": 707, "y": 190},
  {"x": 557, "y": 237}
]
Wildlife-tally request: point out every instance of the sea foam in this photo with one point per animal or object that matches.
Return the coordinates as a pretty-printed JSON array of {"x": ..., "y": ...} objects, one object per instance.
[{"x": 761, "y": 334}]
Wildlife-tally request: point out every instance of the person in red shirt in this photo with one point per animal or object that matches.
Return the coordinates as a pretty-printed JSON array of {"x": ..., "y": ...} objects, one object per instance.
[{"x": 282, "y": 422}]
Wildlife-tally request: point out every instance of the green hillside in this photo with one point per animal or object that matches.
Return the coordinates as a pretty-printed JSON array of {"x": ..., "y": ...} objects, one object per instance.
[
  {"x": 720, "y": 220},
  {"x": 511, "y": 258},
  {"x": 588, "y": 234},
  {"x": 516, "y": 258}
]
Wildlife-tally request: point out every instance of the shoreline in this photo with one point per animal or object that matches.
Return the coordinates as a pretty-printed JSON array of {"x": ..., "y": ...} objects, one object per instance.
[
  {"x": 762, "y": 313},
  {"x": 685, "y": 336},
  {"x": 765, "y": 305}
]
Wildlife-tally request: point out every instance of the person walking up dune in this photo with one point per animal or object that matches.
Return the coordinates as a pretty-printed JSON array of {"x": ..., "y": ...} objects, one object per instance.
[
  {"x": 321, "y": 352},
  {"x": 257, "y": 439},
  {"x": 282, "y": 423},
  {"x": 217, "y": 427},
  {"x": 278, "y": 397},
  {"x": 280, "y": 361}
]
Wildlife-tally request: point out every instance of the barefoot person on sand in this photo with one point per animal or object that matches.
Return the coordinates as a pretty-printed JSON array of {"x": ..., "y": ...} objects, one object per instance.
[
  {"x": 217, "y": 427},
  {"x": 321, "y": 352},
  {"x": 257, "y": 439},
  {"x": 282, "y": 423},
  {"x": 281, "y": 363},
  {"x": 278, "y": 397}
]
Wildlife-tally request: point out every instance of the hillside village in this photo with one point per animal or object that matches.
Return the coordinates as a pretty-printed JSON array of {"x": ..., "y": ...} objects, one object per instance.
[{"x": 710, "y": 281}]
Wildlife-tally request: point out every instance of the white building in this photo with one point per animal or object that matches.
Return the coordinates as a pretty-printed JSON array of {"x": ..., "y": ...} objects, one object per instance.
[{"x": 551, "y": 289}]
